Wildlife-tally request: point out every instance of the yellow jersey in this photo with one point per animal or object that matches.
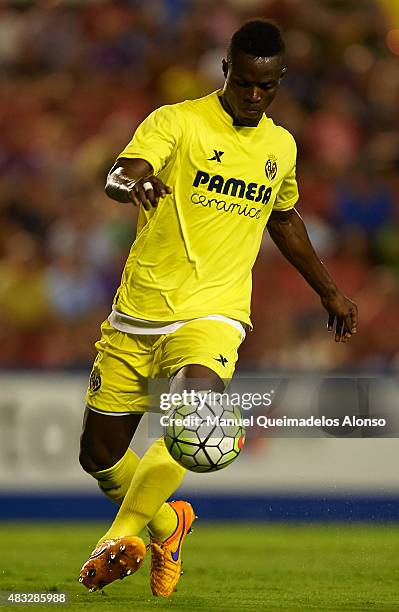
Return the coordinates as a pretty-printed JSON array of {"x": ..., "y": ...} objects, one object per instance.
[{"x": 193, "y": 254}]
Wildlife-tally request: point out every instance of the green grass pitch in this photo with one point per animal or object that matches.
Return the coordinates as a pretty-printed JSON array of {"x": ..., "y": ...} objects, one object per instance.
[{"x": 227, "y": 567}]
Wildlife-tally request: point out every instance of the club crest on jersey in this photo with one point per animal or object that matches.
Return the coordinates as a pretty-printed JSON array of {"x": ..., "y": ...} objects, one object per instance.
[
  {"x": 271, "y": 167},
  {"x": 95, "y": 379}
]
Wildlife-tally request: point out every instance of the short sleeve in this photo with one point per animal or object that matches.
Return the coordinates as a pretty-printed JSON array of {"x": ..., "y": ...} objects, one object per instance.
[
  {"x": 156, "y": 138},
  {"x": 288, "y": 194}
]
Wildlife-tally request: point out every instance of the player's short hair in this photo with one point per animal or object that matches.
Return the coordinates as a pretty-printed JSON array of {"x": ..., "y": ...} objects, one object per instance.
[{"x": 260, "y": 38}]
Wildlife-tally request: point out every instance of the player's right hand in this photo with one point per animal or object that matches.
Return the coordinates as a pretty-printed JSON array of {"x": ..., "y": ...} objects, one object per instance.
[
  {"x": 142, "y": 195},
  {"x": 342, "y": 313}
]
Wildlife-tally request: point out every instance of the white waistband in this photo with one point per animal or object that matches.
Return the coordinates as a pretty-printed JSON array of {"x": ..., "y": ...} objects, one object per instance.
[{"x": 131, "y": 325}]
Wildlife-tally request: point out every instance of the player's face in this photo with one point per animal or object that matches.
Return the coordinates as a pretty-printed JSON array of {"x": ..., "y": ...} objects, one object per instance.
[{"x": 250, "y": 87}]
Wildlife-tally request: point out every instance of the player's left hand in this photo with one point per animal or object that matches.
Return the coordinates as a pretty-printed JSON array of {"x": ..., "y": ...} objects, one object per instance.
[
  {"x": 147, "y": 196},
  {"x": 342, "y": 313}
]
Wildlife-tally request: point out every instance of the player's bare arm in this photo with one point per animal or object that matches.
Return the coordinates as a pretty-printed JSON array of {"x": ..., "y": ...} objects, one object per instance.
[
  {"x": 132, "y": 180},
  {"x": 288, "y": 232}
]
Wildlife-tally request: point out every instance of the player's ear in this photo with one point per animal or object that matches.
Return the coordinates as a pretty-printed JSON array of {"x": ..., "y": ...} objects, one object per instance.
[
  {"x": 283, "y": 71},
  {"x": 225, "y": 68}
]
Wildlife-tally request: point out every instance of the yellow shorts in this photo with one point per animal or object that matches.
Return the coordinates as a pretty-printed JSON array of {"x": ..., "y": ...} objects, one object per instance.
[{"x": 125, "y": 362}]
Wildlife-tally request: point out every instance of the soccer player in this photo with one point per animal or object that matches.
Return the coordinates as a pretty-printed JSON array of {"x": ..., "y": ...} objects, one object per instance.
[{"x": 208, "y": 176}]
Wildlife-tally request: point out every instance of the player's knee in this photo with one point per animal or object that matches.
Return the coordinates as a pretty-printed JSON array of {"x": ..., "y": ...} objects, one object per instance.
[
  {"x": 87, "y": 462},
  {"x": 95, "y": 460},
  {"x": 197, "y": 378}
]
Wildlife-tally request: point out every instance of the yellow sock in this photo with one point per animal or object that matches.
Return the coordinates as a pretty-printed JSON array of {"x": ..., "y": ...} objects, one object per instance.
[
  {"x": 115, "y": 481},
  {"x": 163, "y": 524},
  {"x": 155, "y": 479}
]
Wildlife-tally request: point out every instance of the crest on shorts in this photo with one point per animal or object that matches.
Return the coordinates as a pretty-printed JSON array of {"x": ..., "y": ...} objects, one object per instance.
[
  {"x": 95, "y": 379},
  {"x": 271, "y": 167}
]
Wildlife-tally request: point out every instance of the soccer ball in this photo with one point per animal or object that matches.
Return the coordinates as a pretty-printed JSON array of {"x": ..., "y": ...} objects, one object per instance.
[{"x": 204, "y": 438}]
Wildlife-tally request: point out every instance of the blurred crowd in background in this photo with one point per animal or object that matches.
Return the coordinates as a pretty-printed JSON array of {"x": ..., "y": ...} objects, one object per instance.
[{"x": 78, "y": 77}]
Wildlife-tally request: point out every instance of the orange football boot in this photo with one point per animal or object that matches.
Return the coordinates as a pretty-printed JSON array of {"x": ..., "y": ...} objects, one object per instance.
[
  {"x": 111, "y": 560},
  {"x": 166, "y": 556}
]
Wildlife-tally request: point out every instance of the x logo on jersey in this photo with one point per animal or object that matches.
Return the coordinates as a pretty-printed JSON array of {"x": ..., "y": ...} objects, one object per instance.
[
  {"x": 217, "y": 156},
  {"x": 222, "y": 360}
]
